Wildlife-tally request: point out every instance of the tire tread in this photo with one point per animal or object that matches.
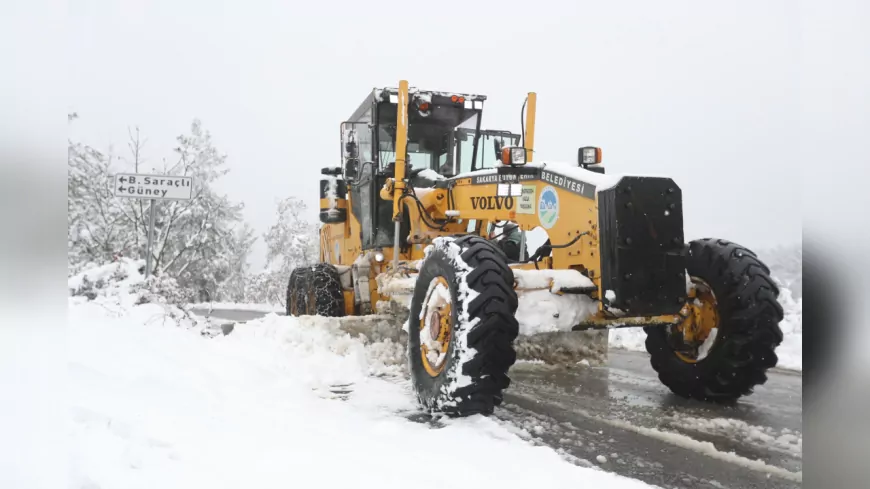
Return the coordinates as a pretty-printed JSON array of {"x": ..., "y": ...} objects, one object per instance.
[{"x": 747, "y": 341}]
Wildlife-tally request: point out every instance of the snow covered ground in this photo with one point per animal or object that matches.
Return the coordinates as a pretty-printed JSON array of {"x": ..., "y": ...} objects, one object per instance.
[{"x": 281, "y": 402}]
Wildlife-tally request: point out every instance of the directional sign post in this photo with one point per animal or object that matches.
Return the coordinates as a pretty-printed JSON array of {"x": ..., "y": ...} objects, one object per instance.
[{"x": 153, "y": 188}]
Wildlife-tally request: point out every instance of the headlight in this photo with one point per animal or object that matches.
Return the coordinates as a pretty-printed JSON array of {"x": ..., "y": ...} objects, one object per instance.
[
  {"x": 513, "y": 156},
  {"x": 518, "y": 156},
  {"x": 379, "y": 257}
]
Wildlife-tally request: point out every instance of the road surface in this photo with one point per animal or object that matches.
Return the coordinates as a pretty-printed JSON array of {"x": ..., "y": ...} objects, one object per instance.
[
  {"x": 621, "y": 419},
  {"x": 232, "y": 315}
]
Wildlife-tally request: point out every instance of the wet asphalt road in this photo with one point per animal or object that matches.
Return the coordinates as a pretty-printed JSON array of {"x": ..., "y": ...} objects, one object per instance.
[
  {"x": 622, "y": 413},
  {"x": 232, "y": 315},
  {"x": 662, "y": 439}
]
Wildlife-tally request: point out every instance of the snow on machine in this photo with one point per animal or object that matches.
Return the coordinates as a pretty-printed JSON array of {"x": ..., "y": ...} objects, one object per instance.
[{"x": 429, "y": 212}]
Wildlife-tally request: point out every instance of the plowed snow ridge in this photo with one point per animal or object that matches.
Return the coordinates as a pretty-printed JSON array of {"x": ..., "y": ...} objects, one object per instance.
[{"x": 282, "y": 402}]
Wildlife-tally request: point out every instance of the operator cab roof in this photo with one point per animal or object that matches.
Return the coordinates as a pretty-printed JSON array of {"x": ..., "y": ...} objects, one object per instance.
[{"x": 391, "y": 95}]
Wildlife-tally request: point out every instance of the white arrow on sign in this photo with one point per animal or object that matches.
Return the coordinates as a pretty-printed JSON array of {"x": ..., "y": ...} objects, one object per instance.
[{"x": 160, "y": 187}]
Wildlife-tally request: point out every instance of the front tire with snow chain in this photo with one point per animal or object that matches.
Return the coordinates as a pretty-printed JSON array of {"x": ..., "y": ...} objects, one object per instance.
[
  {"x": 461, "y": 327},
  {"x": 325, "y": 296},
  {"x": 746, "y": 316}
]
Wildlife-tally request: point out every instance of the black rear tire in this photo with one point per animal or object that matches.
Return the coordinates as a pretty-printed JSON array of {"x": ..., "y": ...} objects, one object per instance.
[
  {"x": 325, "y": 295},
  {"x": 748, "y": 330},
  {"x": 297, "y": 295},
  {"x": 482, "y": 319}
]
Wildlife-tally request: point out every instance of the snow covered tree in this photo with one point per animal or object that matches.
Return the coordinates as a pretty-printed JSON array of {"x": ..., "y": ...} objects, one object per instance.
[
  {"x": 197, "y": 241},
  {"x": 233, "y": 287},
  {"x": 97, "y": 229},
  {"x": 202, "y": 243},
  {"x": 291, "y": 242}
]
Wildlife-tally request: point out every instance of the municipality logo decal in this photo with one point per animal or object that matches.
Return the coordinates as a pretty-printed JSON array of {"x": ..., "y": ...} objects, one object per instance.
[{"x": 548, "y": 207}]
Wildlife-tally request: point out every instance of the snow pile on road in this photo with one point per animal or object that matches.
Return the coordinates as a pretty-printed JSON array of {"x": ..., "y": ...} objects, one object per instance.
[
  {"x": 628, "y": 339},
  {"x": 280, "y": 402},
  {"x": 108, "y": 279},
  {"x": 766, "y": 437},
  {"x": 790, "y": 351},
  {"x": 120, "y": 288}
]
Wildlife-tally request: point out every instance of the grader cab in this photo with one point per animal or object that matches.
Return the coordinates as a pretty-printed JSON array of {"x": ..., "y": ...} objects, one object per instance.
[{"x": 429, "y": 211}]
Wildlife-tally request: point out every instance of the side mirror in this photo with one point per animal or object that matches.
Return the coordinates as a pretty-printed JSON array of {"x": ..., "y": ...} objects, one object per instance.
[
  {"x": 497, "y": 144},
  {"x": 333, "y": 171},
  {"x": 351, "y": 149},
  {"x": 588, "y": 155}
]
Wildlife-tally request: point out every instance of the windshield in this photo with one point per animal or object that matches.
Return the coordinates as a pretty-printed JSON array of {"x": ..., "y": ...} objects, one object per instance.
[
  {"x": 421, "y": 154},
  {"x": 448, "y": 154},
  {"x": 418, "y": 157},
  {"x": 432, "y": 144},
  {"x": 486, "y": 154}
]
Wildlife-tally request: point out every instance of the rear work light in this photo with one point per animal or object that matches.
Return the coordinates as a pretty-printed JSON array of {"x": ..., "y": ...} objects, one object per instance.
[{"x": 589, "y": 155}]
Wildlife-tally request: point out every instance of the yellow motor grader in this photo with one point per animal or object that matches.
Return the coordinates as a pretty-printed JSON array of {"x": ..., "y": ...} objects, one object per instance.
[{"x": 428, "y": 210}]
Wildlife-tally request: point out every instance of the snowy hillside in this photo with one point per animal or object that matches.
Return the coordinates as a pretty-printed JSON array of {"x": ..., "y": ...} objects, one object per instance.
[{"x": 281, "y": 402}]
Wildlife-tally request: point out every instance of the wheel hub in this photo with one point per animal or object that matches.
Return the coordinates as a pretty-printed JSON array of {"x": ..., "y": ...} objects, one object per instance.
[
  {"x": 436, "y": 328},
  {"x": 434, "y": 325},
  {"x": 693, "y": 337}
]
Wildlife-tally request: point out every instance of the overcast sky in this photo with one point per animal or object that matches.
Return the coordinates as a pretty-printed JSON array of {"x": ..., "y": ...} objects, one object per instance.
[{"x": 703, "y": 92}]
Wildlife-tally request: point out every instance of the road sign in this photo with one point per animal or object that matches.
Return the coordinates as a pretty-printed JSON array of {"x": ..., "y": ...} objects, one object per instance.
[
  {"x": 159, "y": 187},
  {"x": 153, "y": 188}
]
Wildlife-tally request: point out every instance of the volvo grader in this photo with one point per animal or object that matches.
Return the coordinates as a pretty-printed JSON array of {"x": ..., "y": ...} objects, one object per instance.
[{"x": 419, "y": 212}]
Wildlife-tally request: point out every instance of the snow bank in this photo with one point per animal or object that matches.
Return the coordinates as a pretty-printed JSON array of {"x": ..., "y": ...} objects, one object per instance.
[
  {"x": 111, "y": 278},
  {"x": 790, "y": 351},
  {"x": 120, "y": 287},
  {"x": 281, "y": 402},
  {"x": 628, "y": 339}
]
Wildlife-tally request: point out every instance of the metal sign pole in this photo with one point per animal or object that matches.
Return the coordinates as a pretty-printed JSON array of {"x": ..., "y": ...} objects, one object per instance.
[
  {"x": 153, "y": 188},
  {"x": 150, "y": 240}
]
